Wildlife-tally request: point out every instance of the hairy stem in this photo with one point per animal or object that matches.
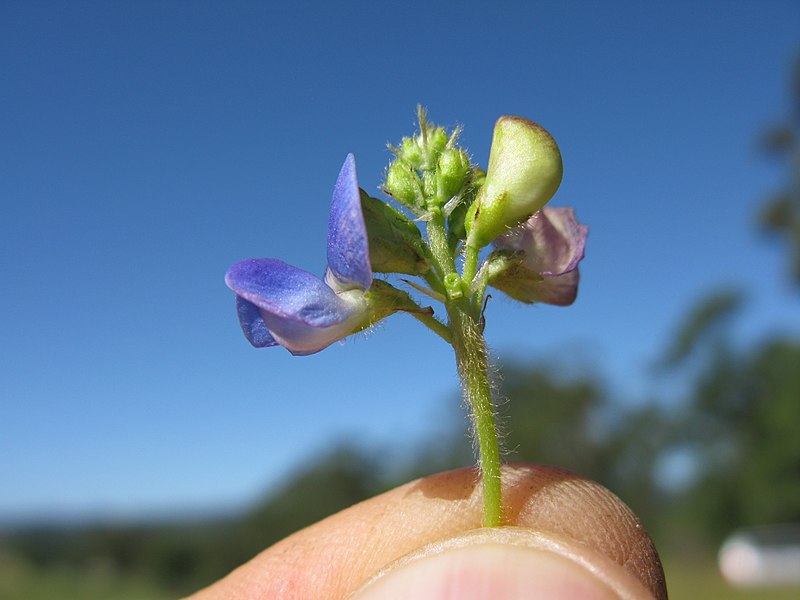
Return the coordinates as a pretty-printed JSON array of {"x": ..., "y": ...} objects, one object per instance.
[
  {"x": 472, "y": 359},
  {"x": 473, "y": 368},
  {"x": 440, "y": 250},
  {"x": 470, "y": 263}
]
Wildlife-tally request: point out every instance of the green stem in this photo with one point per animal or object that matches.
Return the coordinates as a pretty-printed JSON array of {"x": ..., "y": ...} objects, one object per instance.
[
  {"x": 479, "y": 292},
  {"x": 440, "y": 251},
  {"x": 434, "y": 324},
  {"x": 472, "y": 360},
  {"x": 470, "y": 263},
  {"x": 473, "y": 368}
]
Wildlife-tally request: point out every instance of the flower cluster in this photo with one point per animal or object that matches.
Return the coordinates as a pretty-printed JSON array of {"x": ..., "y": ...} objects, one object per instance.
[
  {"x": 535, "y": 256},
  {"x": 462, "y": 210}
]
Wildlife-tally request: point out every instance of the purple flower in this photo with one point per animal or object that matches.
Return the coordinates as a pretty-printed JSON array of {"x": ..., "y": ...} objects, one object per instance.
[
  {"x": 279, "y": 304},
  {"x": 538, "y": 260}
]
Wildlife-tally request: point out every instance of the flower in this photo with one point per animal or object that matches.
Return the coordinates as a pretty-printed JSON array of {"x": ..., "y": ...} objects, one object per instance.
[
  {"x": 278, "y": 304},
  {"x": 537, "y": 261}
]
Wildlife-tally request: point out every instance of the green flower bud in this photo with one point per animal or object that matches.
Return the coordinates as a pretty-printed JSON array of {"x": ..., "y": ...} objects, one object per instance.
[
  {"x": 411, "y": 152},
  {"x": 403, "y": 183},
  {"x": 437, "y": 140},
  {"x": 524, "y": 172},
  {"x": 451, "y": 174},
  {"x": 455, "y": 225},
  {"x": 423, "y": 153},
  {"x": 478, "y": 177},
  {"x": 456, "y": 231}
]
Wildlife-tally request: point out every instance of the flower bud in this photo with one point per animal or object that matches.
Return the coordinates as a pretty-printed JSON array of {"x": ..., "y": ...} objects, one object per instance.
[
  {"x": 411, "y": 152},
  {"x": 451, "y": 174},
  {"x": 524, "y": 172},
  {"x": 403, "y": 183},
  {"x": 422, "y": 152},
  {"x": 437, "y": 140}
]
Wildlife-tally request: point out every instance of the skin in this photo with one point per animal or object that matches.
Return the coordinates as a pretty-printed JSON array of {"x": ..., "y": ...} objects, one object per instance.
[{"x": 581, "y": 540}]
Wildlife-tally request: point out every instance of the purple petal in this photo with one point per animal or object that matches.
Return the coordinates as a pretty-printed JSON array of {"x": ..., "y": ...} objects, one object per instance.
[
  {"x": 550, "y": 245},
  {"x": 528, "y": 287},
  {"x": 301, "y": 339},
  {"x": 253, "y": 326},
  {"x": 348, "y": 247},
  {"x": 298, "y": 310},
  {"x": 286, "y": 292},
  {"x": 553, "y": 241},
  {"x": 560, "y": 290}
]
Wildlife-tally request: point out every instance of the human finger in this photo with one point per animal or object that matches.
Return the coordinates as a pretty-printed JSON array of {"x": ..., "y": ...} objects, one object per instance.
[{"x": 550, "y": 510}]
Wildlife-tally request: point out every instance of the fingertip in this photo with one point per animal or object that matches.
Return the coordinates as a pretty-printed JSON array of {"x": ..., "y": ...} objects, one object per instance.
[
  {"x": 562, "y": 504},
  {"x": 575, "y": 518},
  {"x": 508, "y": 563}
]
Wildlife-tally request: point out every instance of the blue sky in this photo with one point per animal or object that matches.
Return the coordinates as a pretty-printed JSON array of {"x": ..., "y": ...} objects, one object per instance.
[{"x": 145, "y": 147}]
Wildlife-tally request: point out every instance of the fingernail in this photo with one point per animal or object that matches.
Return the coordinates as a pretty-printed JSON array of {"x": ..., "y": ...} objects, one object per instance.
[{"x": 489, "y": 564}]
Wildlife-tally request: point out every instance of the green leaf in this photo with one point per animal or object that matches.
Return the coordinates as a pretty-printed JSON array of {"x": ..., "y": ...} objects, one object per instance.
[{"x": 395, "y": 243}]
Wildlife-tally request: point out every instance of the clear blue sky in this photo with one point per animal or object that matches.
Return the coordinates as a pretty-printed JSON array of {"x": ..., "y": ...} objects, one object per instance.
[{"x": 146, "y": 146}]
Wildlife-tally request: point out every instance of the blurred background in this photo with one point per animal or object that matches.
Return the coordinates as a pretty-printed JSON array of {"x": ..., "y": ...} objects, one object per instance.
[{"x": 146, "y": 449}]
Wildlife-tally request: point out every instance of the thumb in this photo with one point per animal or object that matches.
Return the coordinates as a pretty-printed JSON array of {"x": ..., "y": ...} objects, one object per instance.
[
  {"x": 510, "y": 563},
  {"x": 556, "y": 524}
]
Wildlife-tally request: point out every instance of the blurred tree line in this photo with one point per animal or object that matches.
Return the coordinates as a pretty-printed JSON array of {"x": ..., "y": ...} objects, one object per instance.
[{"x": 721, "y": 453}]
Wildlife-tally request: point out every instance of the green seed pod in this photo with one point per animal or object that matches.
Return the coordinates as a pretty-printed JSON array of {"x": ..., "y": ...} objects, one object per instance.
[{"x": 524, "y": 172}]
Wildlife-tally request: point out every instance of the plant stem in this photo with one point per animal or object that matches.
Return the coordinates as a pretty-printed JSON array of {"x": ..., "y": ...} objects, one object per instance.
[
  {"x": 472, "y": 360},
  {"x": 473, "y": 368},
  {"x": 440, "y": 251},
  {"x": 470, "y": 263},
  {"x": 434, "y": 324}
]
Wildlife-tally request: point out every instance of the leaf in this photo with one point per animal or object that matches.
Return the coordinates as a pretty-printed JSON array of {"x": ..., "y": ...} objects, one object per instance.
[{"x": 395, "y": 243}]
